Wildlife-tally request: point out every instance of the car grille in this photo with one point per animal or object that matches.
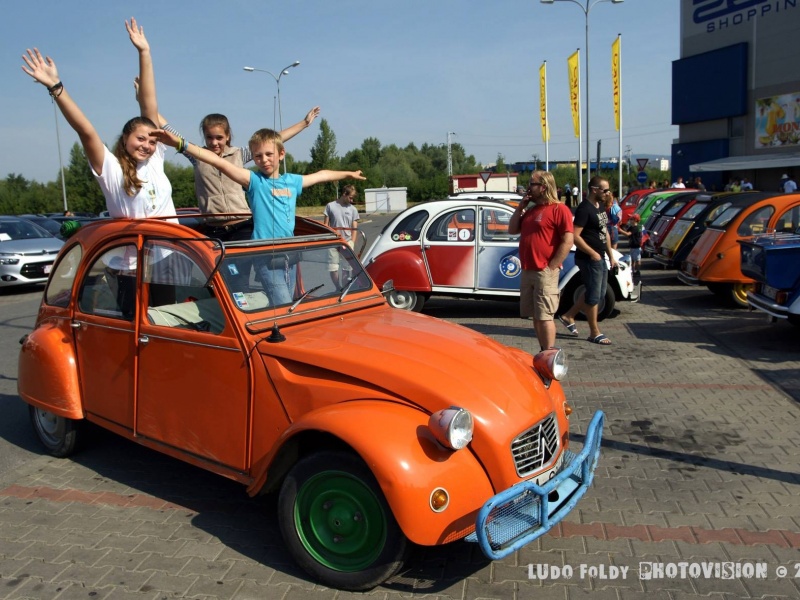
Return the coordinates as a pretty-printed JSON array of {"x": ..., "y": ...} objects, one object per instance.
[
  {"x": 536, "y": 447},
  {"x": 35, "y": 270}
]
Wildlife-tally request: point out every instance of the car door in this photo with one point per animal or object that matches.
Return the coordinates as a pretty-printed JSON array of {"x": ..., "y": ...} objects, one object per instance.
[
  {"x": 449, "y": 249},
  {"x": 499, "y": 266},
  {"x": 103, "y": 329},
  {"x": 192, "y": 381}
]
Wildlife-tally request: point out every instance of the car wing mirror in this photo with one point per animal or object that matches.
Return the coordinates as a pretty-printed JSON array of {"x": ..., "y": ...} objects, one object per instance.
[{"x": 388, "y": 287}]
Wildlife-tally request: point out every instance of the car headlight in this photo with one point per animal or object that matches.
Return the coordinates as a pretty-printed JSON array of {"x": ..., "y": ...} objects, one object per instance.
[
  {"x": 551, "y": 364},
  {"x": 9, "y": 261},
  {"x": 452, "y": 427}
]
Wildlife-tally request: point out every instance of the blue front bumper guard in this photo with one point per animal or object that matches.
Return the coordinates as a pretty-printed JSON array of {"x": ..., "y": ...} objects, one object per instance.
[{"x": 517, "y": 516}]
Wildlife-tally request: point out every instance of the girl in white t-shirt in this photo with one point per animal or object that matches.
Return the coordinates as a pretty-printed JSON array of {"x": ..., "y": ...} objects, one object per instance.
[{"x": 132, "y": 176}]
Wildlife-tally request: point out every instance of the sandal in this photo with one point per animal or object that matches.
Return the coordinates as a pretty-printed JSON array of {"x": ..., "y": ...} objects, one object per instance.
[
  {"x": 571, "y": 327},
  {"x": 600, "y": 339}
]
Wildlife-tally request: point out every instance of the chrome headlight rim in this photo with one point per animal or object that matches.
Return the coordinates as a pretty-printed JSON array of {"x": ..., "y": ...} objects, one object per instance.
[
  {"x": 551, "y": 364},
  {"x": 452, "y": 427}
]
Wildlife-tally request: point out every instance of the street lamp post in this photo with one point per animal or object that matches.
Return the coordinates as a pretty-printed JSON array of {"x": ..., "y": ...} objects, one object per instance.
[
  {"x": 60, "y": 163},
  {"x": 284, "y": 71},
  {"x": 586, "y": 9}
]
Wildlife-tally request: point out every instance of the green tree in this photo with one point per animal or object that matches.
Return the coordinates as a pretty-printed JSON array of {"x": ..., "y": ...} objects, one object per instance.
[
  {"x": 500, "y": 167},
  {"x": 323, "y": 157},
  {"x": 83, "y": 192},
  {"x": 371, "y": 148}
]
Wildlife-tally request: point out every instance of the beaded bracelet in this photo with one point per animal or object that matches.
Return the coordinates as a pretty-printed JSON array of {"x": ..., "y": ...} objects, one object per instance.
[{"x": 58, "y": 87}]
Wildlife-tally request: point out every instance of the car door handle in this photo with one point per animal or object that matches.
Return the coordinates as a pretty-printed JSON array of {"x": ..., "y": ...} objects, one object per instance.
[
  {"x": 143, "y": 339},
  {"x": 425, "y": 246},
  {"x": 75, "y": 325}
]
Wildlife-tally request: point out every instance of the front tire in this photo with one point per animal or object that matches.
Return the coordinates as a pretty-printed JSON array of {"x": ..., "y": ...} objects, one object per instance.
[
  {"x": 58, "y": 434},
  {"x": 337, "y": 524},
  {"x": 406, "y": 300}
]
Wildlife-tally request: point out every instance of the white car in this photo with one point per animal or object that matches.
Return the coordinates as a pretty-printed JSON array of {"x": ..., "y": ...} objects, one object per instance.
[
  {"x": 461, "y": 247},
  {"x": 27, "y": 252}
]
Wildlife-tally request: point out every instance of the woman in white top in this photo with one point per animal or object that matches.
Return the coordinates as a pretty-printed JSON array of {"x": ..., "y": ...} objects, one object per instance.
[{"x": 132, "y": 177}]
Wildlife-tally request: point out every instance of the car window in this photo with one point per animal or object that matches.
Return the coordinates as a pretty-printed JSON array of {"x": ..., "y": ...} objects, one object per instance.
[
  {"x": 789, "y": 221},
  {"x": 177, "y": 294},
  {"x": 725, "y": 217},
  {"x": 269, "y": 279},
  {"x": 408, "y": 229},
  {"x": 674, "y": 209},
  {"x": 717, "y": 210},
  {"x": 19, "y": 229},
  {"x": 454, "y": 226},
  {"x": 109, "y": 287},
  {"x": 756, "y": 222},
  {"x": 494, "y": 226},
  {"x": 59, "y": 286},
  {"x": 695, "y": 210}
]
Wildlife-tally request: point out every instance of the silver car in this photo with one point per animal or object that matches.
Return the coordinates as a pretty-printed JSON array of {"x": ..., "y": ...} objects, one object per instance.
[{"x": 27, "y": 252}]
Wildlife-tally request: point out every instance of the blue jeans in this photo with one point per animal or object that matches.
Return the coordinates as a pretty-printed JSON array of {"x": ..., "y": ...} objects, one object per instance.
[
  {"x": 595, "y": 279},
  {"x": 278, "y": 282}
]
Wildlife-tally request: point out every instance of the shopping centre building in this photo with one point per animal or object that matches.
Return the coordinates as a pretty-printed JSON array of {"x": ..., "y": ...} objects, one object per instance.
[{"x": 736, "y": 92}]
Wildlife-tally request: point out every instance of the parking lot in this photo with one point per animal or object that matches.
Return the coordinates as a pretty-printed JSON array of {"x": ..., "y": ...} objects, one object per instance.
[{"x": 699, "y": 468}]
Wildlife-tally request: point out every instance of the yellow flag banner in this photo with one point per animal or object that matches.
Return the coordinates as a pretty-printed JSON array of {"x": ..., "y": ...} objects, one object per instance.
[
  {"x": 573, "y": 63},
  {"x": 543, "y": 102},
  {"x": 615, "y": 78}
]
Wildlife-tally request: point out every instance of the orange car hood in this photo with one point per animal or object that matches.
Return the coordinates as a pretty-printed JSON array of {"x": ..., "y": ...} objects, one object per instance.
[{"x": 393, "y": 354}]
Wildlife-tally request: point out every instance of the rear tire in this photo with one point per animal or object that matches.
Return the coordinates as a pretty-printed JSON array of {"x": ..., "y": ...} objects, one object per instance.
[{"x": 58, "y": 434}]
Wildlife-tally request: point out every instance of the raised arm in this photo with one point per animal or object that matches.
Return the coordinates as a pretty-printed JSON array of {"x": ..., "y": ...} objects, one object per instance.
[
  {"x": 325, "y": 176},
  {"x": 238, "y": 174},
  {"x": 43, "y": 70},
  {"x": 162, "y": 120},
  {"x": 292, "y": 131},
  {"x": 148, "y": 104}
]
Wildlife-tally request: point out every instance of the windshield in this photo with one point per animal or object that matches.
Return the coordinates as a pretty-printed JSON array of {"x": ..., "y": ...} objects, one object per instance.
[
  {"x": 19, "y": 229},
  {"x": 275, "y": 278}
]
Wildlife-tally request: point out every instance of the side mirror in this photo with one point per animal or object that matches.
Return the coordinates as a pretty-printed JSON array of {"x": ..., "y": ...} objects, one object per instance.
[{"x": 388, "y": 287}]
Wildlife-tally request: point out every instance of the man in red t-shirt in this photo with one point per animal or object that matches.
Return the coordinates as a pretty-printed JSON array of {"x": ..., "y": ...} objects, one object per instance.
[{"x": 545, "y": 241}]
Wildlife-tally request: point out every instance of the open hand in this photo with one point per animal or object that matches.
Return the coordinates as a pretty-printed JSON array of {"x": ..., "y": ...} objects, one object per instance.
[
  {"x": 165, "y": 137},
  {"x": 136, "y": 34},
  {"x": 312, "y": 114},
  {"x": 42, "y": 69}
]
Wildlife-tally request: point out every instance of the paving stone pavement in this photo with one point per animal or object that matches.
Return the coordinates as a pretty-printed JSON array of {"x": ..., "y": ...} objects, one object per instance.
[{"x": 697, "y": 493}]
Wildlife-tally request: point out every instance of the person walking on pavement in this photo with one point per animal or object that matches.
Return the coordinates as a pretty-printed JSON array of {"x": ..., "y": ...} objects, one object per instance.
[
  {"x": 545, "y": 241},
  {"x": 341, "y": 215},
  {"x": 593, "y": 243},
  {"x": 788, "y": 185}
]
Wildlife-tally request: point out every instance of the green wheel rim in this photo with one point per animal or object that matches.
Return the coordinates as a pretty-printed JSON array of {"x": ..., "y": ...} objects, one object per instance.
[{"x": 340, "y": 521}]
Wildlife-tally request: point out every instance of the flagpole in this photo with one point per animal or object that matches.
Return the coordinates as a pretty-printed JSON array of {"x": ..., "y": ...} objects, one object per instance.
[
  {"x": 619, "y": 63},
  {"x": 543, "y": 115}
]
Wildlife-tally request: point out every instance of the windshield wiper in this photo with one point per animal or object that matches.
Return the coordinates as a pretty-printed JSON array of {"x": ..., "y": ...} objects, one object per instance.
[
  {"x": 303, "y": 297},
  {"x": 350, "y": 283}
]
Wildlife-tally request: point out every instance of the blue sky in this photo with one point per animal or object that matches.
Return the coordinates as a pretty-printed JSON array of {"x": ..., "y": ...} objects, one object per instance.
[{"x": 399, "y": 71}]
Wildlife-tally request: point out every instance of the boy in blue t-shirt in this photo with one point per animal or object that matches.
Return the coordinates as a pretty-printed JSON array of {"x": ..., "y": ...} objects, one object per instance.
[{"x": 272, "y": 196}]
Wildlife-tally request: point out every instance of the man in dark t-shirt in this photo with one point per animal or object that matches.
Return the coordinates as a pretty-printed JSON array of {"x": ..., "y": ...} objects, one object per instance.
[{"x": 592, "y": 245}]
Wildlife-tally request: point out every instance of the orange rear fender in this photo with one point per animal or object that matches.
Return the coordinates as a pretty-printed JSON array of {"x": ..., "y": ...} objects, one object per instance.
[
  {"x": 47, "y": 376},
  {"x": 409, "y": 465}
]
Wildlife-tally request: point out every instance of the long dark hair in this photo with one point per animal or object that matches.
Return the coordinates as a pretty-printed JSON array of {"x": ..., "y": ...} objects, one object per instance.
[{"x": 131, "y": 181}]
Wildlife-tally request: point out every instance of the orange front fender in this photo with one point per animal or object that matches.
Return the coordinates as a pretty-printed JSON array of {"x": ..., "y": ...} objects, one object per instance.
[
  {"x": 396, "y": 444},
  {"x": 47, "y": 375}
]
